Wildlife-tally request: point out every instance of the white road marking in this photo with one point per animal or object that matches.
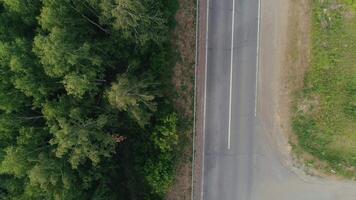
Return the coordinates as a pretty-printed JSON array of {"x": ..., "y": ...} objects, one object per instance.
[
  {"x": 231, "y": 71},
  {"x": 257, "y": 55},
  {"x": 204, "y": 112}
]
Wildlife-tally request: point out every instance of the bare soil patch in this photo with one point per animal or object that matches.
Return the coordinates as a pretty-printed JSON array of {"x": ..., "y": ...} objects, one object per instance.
[{"x": 297, "y": 59}]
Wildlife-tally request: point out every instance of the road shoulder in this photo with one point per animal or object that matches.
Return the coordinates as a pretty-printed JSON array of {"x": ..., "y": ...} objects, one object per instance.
[{"x": 200, "y": 76}]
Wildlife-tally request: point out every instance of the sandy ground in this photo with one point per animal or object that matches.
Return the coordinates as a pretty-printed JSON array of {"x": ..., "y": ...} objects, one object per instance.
[
  {"x": 285, "y": 29},
  {"x": 273, "y": 91},
  {"x": 285, "y": 59}
]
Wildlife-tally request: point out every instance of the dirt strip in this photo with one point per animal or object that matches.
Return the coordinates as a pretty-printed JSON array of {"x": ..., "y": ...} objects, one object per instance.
[{"x": 200, "y": 95}]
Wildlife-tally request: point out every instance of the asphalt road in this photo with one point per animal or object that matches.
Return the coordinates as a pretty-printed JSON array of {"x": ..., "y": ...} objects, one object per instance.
[
  {"x": 230, "y": 96},
  {"x": 240, "y": 162}
]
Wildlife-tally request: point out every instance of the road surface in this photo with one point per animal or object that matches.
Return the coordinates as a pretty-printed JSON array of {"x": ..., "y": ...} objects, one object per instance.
[
  {"x": 239, "y": 160},
  {"x": 230, "y": 97}
]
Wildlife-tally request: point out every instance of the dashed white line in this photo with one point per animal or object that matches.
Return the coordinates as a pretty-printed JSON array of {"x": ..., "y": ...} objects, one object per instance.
[
  {"x": 257, "y": 56},
  {"x": 231, "y": 71}
]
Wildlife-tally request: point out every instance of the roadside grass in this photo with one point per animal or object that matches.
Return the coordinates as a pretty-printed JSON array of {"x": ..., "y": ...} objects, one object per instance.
[
  {"x": 325, "y": 110},
  {"x": 183, "y": 97}
]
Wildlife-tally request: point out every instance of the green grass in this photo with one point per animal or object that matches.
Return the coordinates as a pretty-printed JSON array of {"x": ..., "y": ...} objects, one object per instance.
[{"x": 325, "y": 110}]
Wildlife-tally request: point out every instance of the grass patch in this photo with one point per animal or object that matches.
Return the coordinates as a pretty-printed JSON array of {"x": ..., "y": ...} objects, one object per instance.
[{"x": 325, "y": 110}]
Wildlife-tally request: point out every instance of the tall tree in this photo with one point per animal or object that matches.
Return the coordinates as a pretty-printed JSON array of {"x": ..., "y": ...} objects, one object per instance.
[
  {"x": 134, "y": 97},
  {"x": 80, "y": 87},
  {"x": 135, "y": 19}
]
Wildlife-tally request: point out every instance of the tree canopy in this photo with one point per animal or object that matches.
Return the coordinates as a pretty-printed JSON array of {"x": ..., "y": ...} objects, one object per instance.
[{"x": 84, "y": 111}]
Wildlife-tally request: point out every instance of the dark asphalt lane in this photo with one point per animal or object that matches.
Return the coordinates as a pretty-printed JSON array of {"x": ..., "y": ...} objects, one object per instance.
[
  {"x": 252, "y": 168},
  {"x": 227, "y": 172}
]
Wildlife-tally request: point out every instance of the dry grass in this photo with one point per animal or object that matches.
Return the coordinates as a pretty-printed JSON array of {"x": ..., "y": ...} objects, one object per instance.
[
  {"x": 183, "y": 80},
  {"x": 183, "y": 77}
]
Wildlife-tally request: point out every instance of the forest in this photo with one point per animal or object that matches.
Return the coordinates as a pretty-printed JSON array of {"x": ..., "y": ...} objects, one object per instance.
[{"x": 86, "y": 99}]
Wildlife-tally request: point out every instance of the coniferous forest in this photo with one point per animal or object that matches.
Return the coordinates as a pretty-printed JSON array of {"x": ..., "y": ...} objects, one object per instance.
[{"x": 85, "y": 99}]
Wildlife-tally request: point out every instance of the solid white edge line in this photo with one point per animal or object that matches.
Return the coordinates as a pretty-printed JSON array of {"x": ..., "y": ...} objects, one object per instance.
[
  {"x": 257, "y": 55},
  {"x": 231, "y": 70},
  {"x": 205, "y": 85},
  {"x": 195, "y": 96}
]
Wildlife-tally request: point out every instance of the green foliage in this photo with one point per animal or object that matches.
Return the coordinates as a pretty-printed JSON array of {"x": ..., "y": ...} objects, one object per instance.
[
  {"x": 14, "y": 162},
  {"x": 135, "y": 19},
  {"x": 325, "y": 117},
  {"x": 159, "y": 170},
  {"x": 133, "y": 96},
  {"x": 165, "y": 135},
  {"x": 82, "y": 139},
  {"x": 81, "y": 84},
  {"x": 159, "y": 174},
  {"x": 26, "y": 9}
]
